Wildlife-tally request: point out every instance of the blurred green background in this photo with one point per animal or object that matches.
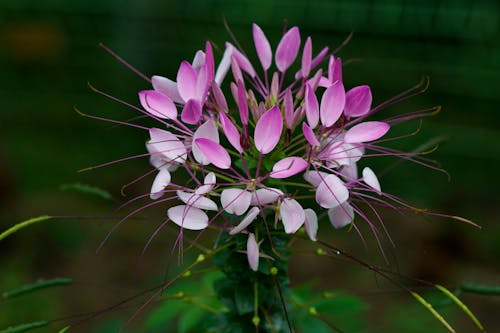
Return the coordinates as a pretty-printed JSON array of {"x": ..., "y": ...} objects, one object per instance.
[{"x": 49, "y": 51}]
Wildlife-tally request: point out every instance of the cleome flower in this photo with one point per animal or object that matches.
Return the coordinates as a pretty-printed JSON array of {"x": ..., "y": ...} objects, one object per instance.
[{"x": 285, "y": 155}]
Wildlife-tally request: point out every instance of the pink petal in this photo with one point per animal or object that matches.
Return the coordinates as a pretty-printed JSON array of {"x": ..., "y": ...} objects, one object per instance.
[
  {"x": 319, "y": 58},
  {"x": 235, "y": 201},
  {"x": 331, "y": 192},
  {"x": 242, "y": 103},
  {"x": 371, "y": 179},
  {"x": 288, "y": 109},
  {"x": 309, "y": 135},
  {"x": 265, "y": 196},
  {"x": 161, "y": 181},
  {"x": 307, "y": 58},
  {"x": 315, "y": 177},
  {"x": 207, "y": 131},
  {"x": 158, "y": 104},
  {"x": 198, "y": 60},
  {"x": 262, "y": 47},
  {"x": 242, "y": 61},
  {"x": 209, "y": 61},
  {"x": 287, "y": 167},
  {"x": 220, "y": 100},
  {"x": 167, "y": 144},
  {"x": 350, "y": 172},
  {"x": 268, "y": 130},
  {"x": 224, "y": 65},
  {"x": 202, "y": 83},
  {"x": 235, "y": 68},
  {"x": 214, "y": 152},
  {"x": 287, "y": 49},
  {"x": 332, "y": 104},
  {"x": 341, "y": 215},
  {"x": 311, "y": 223},
  {"x": 230, "y": 131},
  {"x": 167, "y": 87},
  {"x": 197, "y": 201},
  {"x": 247, "y": 220},
  {"x": 292, "y": 215},
  {"x": 311, "y": 107},
  {"x": 191, "y": 113},
  {"x": 186, "y": 81},
  {"x": 334, "y": 69},
  {"x": 358, "y": 101},
  {"x": 367, "y": 131},
  {"x": 188, "y": 217},
  {"x": 253, "y": 252}
]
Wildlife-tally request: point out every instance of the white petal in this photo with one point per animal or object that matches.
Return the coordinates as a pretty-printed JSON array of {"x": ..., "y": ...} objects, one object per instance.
[
  {"x": 331, "y": 192},
  {"x": 208, "y": 184},
  {"x": 265, "y": 196},
  {"x": 188, "y": 217},
  {"x": 224, "y": 65},
  {"x": 251, "y": 215},
  {"x": 315, "y": 177},
  {"x": 292, "y": 215},
  {"x": 166, "y": 145},
  {"x": 371, "y": 179},
  {"x": 161, "y": 181},
  {"x": 311, "y": 223},
  {"x": 253, "y": 252},
  {"x": 198, "y": 201},
  {"x": 341, "y": 215},
  {"x": 235, "y": 200}
]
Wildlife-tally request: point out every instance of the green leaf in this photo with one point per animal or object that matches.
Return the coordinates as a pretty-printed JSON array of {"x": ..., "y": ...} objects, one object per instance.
[
  {"x": 243, "y": 297},
  {"x": 40, "y": 284},
  {"x": 480, "y": 289},
  {"x": 163, "y": 315},
  {"x": 23, "y": 224},
  {"x": 25, "y": 327},
  {"x": 461, "y": 305},
  {"x": 190, "y": 319},
  {"x": 87, "y": 189},
  {"x": 64, "y": 330}
]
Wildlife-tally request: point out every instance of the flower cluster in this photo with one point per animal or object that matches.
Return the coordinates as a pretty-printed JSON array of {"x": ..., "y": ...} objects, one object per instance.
[{"x": 250, "y": 160}]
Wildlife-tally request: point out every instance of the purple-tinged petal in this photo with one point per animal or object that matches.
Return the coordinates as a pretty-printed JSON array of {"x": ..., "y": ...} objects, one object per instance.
[
  {"x": 275, "y": 86},
  {"x": 224, "y": 65},
  {"x": 167, "y": 144},
  {"x": 367, "y": 131},
  {"x": 253, "y": 252},
  {"x": 158, "y": 104},
  {"x": 265, "y": 196},
  {"x": 332, "y": 104},
  {"x": 288, "y": 109},
  {"x": 198, "y": 60},
  {"x": 214, "y": 152},
  {"x": 262, "y": 47},
  {"x": 287, "y": 167},
  {"x": 202, "y": 83},
  {"x": 191, "y": 113},
  {"x": 235, "y": 68},
  {"x": 335, "y": 69},
  {"x": 311, "y": 223},
  {"x": 307, "y": 58},
  {"x": 287, "y": 49},
  {"x": 292, "y": 215},
  {"x": 331, "y": 192},
  {"x": 341, "y": 215},
  {"x": 208, "y": 184},
  {"x": 319, "y": 58},
  {"x": 242, "y": 103},
  {"x": 371, "y": 179},
  {"x": 207, "y": 131},
  {"x": 209, "y": 61},
  {"x": 314, "y": 177},
  {"x": 220, "y": 100},
  {"x": 358, "y": 101},
  {"x": 188, "y": 217},
  {"x": 349, "y": 172},
  {"x": 268, "y": 130},
  {"x": 242, "y": 61},
  {"x": 309, "y": 135},
  {"x": 161, "y": 181},
  {"x": 314, "y": 81},
  {"x": 235, "y": 200},
  {"x": 247, "y": 220},
  {"x": 186, "y": 81},
  {"x": 197, "y": 201},
  {"x": 230, "y": 131},
  {"x": 166, "y": 87}
]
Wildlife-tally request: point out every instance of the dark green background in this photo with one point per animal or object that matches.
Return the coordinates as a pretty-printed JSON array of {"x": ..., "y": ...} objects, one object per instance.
[{"x": 49, "y": 51}]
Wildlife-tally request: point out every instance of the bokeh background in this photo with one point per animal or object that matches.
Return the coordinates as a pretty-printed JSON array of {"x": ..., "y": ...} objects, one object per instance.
[{"x": 49, "y": 51}]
